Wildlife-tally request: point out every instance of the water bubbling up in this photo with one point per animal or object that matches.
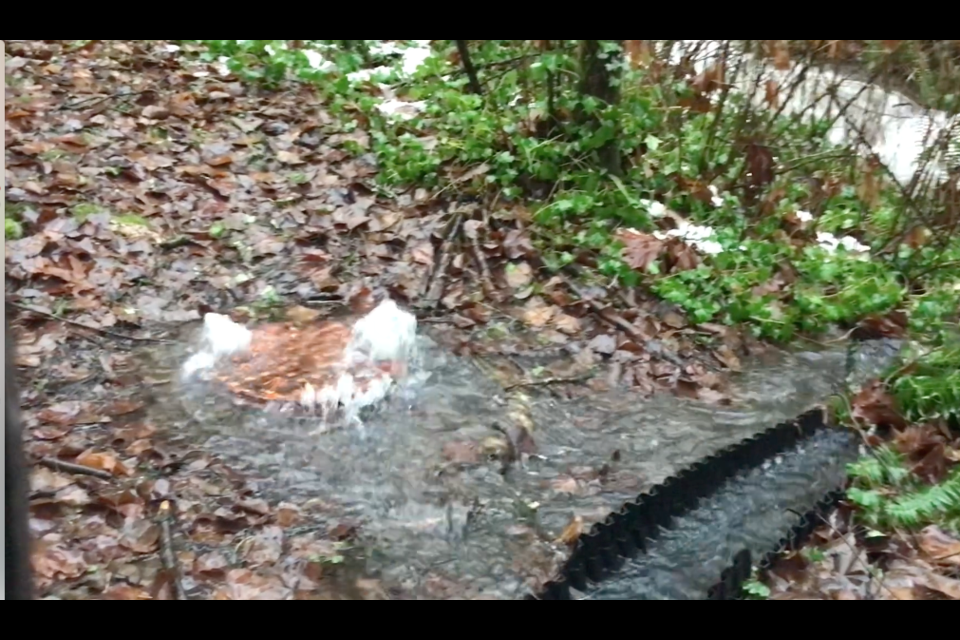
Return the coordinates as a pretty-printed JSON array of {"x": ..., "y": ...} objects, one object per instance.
[{"x": 381, "y": 348}]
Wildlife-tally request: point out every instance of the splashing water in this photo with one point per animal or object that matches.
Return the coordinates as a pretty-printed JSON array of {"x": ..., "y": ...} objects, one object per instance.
[{"x": 364, "y": 368}]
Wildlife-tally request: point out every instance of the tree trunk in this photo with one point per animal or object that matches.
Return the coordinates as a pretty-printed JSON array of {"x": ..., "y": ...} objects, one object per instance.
[
  {"x": 596, "y": 81},
  {"x": 18, "y": 579}
]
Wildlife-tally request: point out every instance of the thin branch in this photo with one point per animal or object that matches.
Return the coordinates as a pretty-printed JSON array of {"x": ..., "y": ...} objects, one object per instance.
[
  {"x": 546, "y": 381},
  {"x": 97, "y": 100},
  {"x": 70, "y": 467},
  {"x": 607, "y": 314},
  {"x": 486, "y": 277},
  {"x": 435, "y": 284},
  {"x": 468, "y": 67},
  {"x": 167, "y": 555},
  {"x": 75, "y": 323}
]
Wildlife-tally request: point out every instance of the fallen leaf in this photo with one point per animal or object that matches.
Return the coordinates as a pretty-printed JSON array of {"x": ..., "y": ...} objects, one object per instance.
[
  {"x": 538, "y": 314},
  {"x": 289, "y": 157},
  {"x": 567, "y": 485},
  {"x": 126, "y": 592},
  {"x": 674, "y": 319},
  {"x": 423, "y": 253},
  {"x": 55, "y": 561},
  {"x": 103, "y": 461},
  {"x": 727, "y": 357},
  {"x": 140, "y": 536},
  {"x": 257, "y": 506},
  {"x": 243, "y": 584},
  {"x": 688, "y": 389},
  {"x": 301, "y": 315},
  {"x": 122, "y": 407},
  {"x": 603, "y": 343},
  {"x": 471, "y": 229},
  {"x": 567, "y": 324},
  {"x": 371, "y": 589},
  {"x": 940, "y": 546},
  {"x": 519, "y": 274},
  {"x": 73, "y": 496},
  {"x": 640, "y": 250},
  {"x": 571, "y": 533},
  {"x": 518, "y": 244},
  {"x": 681, "y": 256},
  {"x": 464, "y": 452},
  {"x": 265, "y": 547},
  {"x": 875, "y": 326},
  {"x": 343, "y": 531},
  {"x": 876, "y": 406},
  {"x": 44, "y": 479},
  {"x": 288, "y": 514}
]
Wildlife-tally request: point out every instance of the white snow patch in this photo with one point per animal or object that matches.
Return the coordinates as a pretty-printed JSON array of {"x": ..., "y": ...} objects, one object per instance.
[
  {"x": 400, "y": 109},
  {"x": 892, "y": 125},
  {"x": 715, "y": 199},
  {"x": 830, "y": 242},
  {"x": 698, "y": 236},
  {"x": 654, "y": 208}
]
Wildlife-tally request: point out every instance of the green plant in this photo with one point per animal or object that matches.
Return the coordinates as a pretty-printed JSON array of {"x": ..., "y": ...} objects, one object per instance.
[
  {"x": 890, "y": 496},
  {"x": 12, "y": 229},
  {"x": 84, "y": 210},
  {"x": 753, "y": 589},
  {"x": 528, "y": 137}
]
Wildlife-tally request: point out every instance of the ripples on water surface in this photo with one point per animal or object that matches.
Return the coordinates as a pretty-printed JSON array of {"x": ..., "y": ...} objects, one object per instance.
[{"x": 423, "y": 517}]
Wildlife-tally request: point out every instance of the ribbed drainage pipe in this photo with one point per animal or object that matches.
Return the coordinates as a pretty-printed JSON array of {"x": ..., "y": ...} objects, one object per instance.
[{"x": 679, "y": 539}]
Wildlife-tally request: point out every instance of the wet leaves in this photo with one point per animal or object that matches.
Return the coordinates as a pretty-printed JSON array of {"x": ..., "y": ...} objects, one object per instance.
[
  {"x": 640, "y": 249},
  {"x": 195, "y": 195},
  {"x": 875, "y": 406},
  {"x": 940, "y": 547},
  {"x": 244, "y": 584},
  {"x": 53, "y": 561},
  {"x": 572, "y": 532},
  {"x": 103, "y": 461},
  {"x": 466, "y": 453}
]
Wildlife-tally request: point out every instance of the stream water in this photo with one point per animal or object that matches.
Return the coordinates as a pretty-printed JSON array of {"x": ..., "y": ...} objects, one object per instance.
[{"x": 426, "y": 520}]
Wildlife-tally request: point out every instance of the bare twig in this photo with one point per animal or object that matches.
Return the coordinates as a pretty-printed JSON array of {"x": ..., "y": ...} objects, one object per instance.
[
  {"x": 486, "y": 278},
  {"x": 167, "y": 555},
  {"x": 857, "y": 552},
  {"x": 96, "y": 100},
  {"x": 468, "y": 67},
  {"x": 70, "y": 467},
  {"x": 610, "y": 317},
  {"x": 75, "y": 323},
  {"x": 511, "y": 455},
  {"x": 436, "y": 281},
  {"x": 546, "y": 381}
]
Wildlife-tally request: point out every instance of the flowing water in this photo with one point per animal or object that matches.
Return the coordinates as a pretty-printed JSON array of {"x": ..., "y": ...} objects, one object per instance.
[{"x": 425, "y": 520}]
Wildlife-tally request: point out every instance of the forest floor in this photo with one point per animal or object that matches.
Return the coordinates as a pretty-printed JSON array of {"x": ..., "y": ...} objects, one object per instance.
[{"x": 148, "y": 191}]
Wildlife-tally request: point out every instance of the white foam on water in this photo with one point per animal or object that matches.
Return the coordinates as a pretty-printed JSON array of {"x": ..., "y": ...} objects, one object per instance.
[
  {"x": 380, "y": 351},
  {"x": 221, "y": 337}
]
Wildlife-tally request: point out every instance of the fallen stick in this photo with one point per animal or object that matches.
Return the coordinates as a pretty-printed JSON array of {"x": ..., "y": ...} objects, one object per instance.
[
  {"x": 545, "y": 382},
  {"x": 653, "y": 347},
  {"x": 105, "y": 332},
  {"x": 167, "y": 555},
  {"x": 486, "y": 278},
  {"x": 435, "y": 284},
  {"x": 71, "y": 467}
]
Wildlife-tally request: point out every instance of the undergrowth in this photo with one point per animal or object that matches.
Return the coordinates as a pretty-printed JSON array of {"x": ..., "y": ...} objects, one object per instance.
[
  {"x": 779, "y": 249},
  {"x": 891, "y": 496},
  {"x": 525, "y": 141}
]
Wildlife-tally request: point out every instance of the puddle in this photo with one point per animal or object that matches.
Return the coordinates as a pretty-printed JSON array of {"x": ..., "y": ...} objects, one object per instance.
[{"x": 425, "y": 521}]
